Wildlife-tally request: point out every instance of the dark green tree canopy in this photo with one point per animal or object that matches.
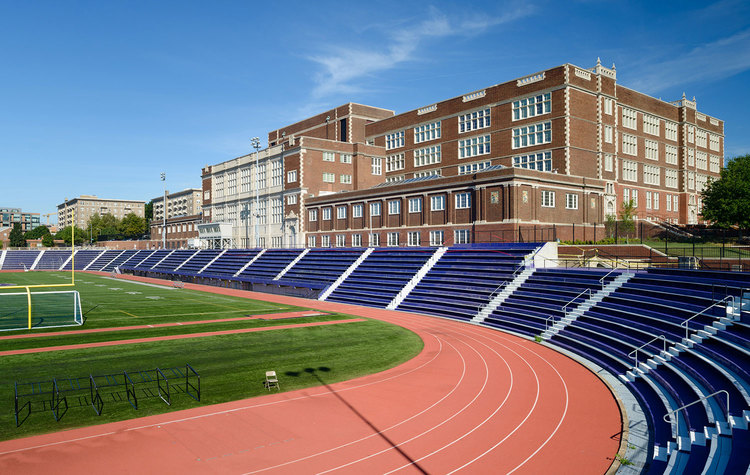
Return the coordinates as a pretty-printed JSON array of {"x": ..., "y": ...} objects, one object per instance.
[
  {"x": 133, "y": 225},
  {"x": 66, "y": 232},
  {"x": 37, "y": 233},
  {"x": 726, "y": 201},
  {"x": 16, "y": 236}
]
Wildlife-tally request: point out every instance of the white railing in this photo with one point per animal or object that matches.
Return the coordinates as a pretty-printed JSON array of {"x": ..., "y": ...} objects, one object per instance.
[
  {"x": 547, "y": 324},
  {"x": 660, "y": 337},
  {"x": 686, "y": 323},
  {"x": 565, "y": 312},
  {"x": 601, "y": 281},
  {"x": 668, "y": 416},
  {"x": 500, "y": 288}
]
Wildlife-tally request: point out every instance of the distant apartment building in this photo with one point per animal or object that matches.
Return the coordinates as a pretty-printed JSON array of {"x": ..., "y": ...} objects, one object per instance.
[
  {"x": 184, "y": 213},
  {"x": 86, "y": 206},
  {"x": 182, "y": 203},
  {"x": 11, "y": 216}
]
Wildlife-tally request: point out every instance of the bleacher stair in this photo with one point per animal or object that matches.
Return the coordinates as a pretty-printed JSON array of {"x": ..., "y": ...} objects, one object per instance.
[
  {"x": 346, "y": 274},
  {"x": 291, "y": 264},
  {"x": 498, "y": 298},
  {"x": 417, "y": 277},
  {"x": 36, "y": 261}
]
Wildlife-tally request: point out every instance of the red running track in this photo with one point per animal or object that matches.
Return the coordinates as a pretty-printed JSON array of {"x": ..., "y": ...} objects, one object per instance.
[{"x": 474, "y": 400}]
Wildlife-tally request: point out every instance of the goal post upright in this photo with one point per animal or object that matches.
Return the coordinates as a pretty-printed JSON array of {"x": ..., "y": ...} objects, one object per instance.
[{"x": 28, "y": 299}]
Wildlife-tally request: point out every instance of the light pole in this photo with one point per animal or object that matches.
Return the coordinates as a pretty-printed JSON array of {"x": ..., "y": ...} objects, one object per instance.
[
  {"x": 164, "y": 209},
  {"x": 255, "y": 141}
]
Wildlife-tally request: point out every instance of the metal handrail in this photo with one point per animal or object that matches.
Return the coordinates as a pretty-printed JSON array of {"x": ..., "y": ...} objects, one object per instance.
[
  {"x": 686, "y": 323},
  {"x": 565, "y": 312},
  {"x": 630, "y": 355},
  {"x": 499, "y": 287},
  {"x": 668, "y": 416},
  {"x": 601, "y": 281},
  {"x": 546, "y": 322}
]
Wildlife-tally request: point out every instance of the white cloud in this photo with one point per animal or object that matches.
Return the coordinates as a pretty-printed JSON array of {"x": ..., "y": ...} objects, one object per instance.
[{"x": 343, "y": 66}]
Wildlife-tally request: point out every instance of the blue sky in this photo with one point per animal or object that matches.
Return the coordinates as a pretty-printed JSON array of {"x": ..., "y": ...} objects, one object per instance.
[{"x": 100, "y": 97}]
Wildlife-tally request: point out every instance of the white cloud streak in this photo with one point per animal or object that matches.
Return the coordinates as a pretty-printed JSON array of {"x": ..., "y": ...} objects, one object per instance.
[{"x": 342, "y": 67}]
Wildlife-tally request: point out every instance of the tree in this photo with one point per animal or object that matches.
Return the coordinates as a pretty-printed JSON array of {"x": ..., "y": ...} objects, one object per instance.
[
  {"x": 37, "y": 233},
  {"x": 16, "y": 236},
  {"x": 133, "y": 225},
  {"x": 106, "y": 224},
  {"x": 627, "y": 215},
  {"x": 48, "y": 240},
  {"x": 65, "y": 235},
  {"x": 148, "y": 213},
  {"x": 726, "y": 201}
]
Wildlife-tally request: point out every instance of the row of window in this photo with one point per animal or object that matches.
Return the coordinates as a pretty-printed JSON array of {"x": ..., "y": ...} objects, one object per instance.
[
  {"x": 652, "y": 199},
  {"x": 437, "y": 203},
  {"x": 548, "y": 200},
  {"x": 413, "y": 238},
  {"x": 344, "y": 178},
  {"x": 652, "y": 126}
]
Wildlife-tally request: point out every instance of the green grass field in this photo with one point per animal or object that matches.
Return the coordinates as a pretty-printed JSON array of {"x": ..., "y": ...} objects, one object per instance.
[{"x": 231, "y": 366}]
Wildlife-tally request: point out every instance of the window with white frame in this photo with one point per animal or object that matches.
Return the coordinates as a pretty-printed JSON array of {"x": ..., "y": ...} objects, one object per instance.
[
  {"x": 608, "y": 105},
  {"x": 652, "y": 149},
  {"x": 473, "y": 146},
  {"x": 670, "y": 154},
  {"x": 312, "y": 215},
  {"x": 374, "y": 239},
  {"x": 346, "y": 158},
  {"x": 609, "y": 163},
  {"x": 437, "y": 203},
  {"x": 394, "y": 140},
  {"x": 395, "y": 178},
  {"x": 310, "y": 241},
  {"x": 426, "y": 132},
  {"x": 325, "y": 241},
  {"x": 670, "y": 178},
  {"x": 393, "y": 239},
  {"x": 291, "y": 199},
  {"x": 700, "y": 138},
  {"x": 629, "y": 144},
  {"x": 634, "y": 197},
  {"x": 675, "y": 203},
  {"x": 329, "y": 157},
  {"x": 341, "y": 212},
  {"x": 714, "y": 163},
  {"x": 415, "y": 205},
  {"x": 231, "y": 183},
  {"x": 394, "y": 162},
  {"x": 608, "y": 134},
  {"x": 291, "y": 176},
  {"x": 473, "y": 167},
  {"x": 629, "y": 118},
  {"x": 532, "y": 106},
  {"x": 245, "y": 179},
  {"x": 541, "y": 161},
  {"x": 437, "y": 238},
  {"x": 423, "y": 173},
  {"x": 670, "y": 130},
  {"x": 648, "y": 200},
  {"x": 219, "y": 186},
  {"x": 651, "y": 124},
  {"x": 276, "y": 241},
  {"x": 668, "y": 200},
  {"x": 394, "y": 207},
  {"x": 357, "y": 210},
  {"x": 427, "y": 156},
  {"x": 474, "y": 120},
  {"x": 609, "y": 188},
  {"x": 701, "y": 160},
  {"x": 548, "y": 199},
  {"x": 713, "y": 141},
  {"x": 356, "y": 240},
  {"x": 656, "y": 200},
  {"x": 262, "y": 211},
  {"x": 413, "y": 238},
  {"x": 377, "y": 166},
  {"x": 629, "y": 170},
  {"x": 651, "y": 174},
  {"x": 277, "y": 210},
  {"x": 691, "y": 157},
  {"x": 326, "y": 214},
  {"x": 691, "y": 180},
  {"x": 534, "y": 134},
  {"x": 375, "y": 209},
  {"x": 701, "y": 181},
  {"x": 462, "y": 236},
  {"x": 626, "y": 195},
  {"x": 329, "y": 177},
  {"x": 345, "y": 179},
  {"x": 340, "y": 240},
  {"x": 276, "y": 174},
  {"x": 463, "y": 200},
  {"x": 260, "y": 178},
  {"x": 691, "y": 133},
  {"x": 571, "y": 201}
]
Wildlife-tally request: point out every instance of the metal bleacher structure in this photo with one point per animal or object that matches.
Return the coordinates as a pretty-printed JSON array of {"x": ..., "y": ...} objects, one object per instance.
[{"x": 674, "y": 344}]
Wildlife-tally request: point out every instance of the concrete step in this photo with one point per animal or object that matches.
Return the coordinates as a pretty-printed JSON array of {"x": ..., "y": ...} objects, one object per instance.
[
  {"x": 738, "y": 422},
  {"x": 723, "y": 428},
  {"x": 660, "y": 359},
  {"x": 698, "y": 438},
  {"x": 625, "y": 378},
  {"x": 683, "y": 444},
  {"x": 666, "y": 355},
  {"x": 674, "y": 351}
]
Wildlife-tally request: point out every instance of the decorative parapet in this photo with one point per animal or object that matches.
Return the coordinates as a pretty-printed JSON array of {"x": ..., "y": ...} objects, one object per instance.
[
  {"x": 530, "y": 79},
  {"x": 714, "y": 121},
  {"x": 685, "y": 103},
  {"x": 425, "y": 110},
  {"x": 582, "y": 73},
  {"x": 599, "y": 69},
  {"x": 475, "y": 95},
  {"x": 699, "y": 116}
]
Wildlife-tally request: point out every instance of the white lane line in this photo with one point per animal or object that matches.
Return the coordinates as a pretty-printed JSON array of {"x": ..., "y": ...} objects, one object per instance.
[{"x": 52, "y": 444}]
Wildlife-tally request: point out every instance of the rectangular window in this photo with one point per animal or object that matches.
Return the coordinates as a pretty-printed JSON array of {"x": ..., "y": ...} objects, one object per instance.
[
  {"x": 325, "y": 241},
  {"x": 393, "y": 239},
  {"x": 437, "y": 203},
  {"x": 532, "y": 106},
  {"x": 691, "y": 133},
  {"x": 427, "y": 156},
  {"x": 629, "y": 144},
  {"x": 608, "y": 163},
  {"x": 231, "y": 184},
  {"x": 714, "y": 162},
  {"x": 394, "y": 162},
  {"x": 629, "y": 118},
  {"x": 462, "y": 236},
  {"x": 326, "y": 214},
  {"x": 276, "y": 174},
  {"x": 377, "y": 166},
  {"x": 415, "y": 205},
  {"x": 675, "y": 203},
  {"x": 394, "y": 207},
  {"x": 626, "y": 195},
  {"x": 548, "y": 199},
  {"x": 691, "y": 180},
  {"x": 670, "y": 130},
  {"x": 700, "y": 182},
  {"x": 608, "y": 134},
  {"x": 426, "y": 132},
  {"x": 357, "y": 211},
  {"x": 340, "y": 240},
  {"x": 329, "y": 177},
  {"x": 341, "y": 212},
  {"x": 356, "y": 240},
  {"x": 670, "y": 178},
  {"x": 629, "y": 170},
  {"x": 470, "y": 168},
  {"x": 394, "y": 140},
  {"x": 651, "y": 175},
  {"x": 474, "y": 120},
  {"x": 329, "y": 157},
  {"x": 423, "y": 173},
  {"x": 700, "y": 138},
  {"x": 291, "y": 176},
  {"x": 291, "y": 199},
  {"x": 634, "y": 198},
  {"x": 346, "y": 158},
  {"x": 310, "y": 241},
  {"x": 534, "y": 134},
  {"x": 260, "y": 181},
  {"x": 571, "y": 201},
  {"x": 345, "y": 179},
  {"x": 669, "y": 202},
  {"x": 652, "y": 149},
  {"x": 312, "y": 215},
  {"x": 395, "y": 178},
  {"x": 541, "y": 161},
  {"x": 670, "y": 154},
  {"x": 474, "y": 146},
  {"x": 413, "y": 238},
  {"x": 276, "y": 241},
  {"x": 463, "y": 200},
  {"x": 608, "y": 105},
  {"x": 277, "y": 210},
  {"x": 375, "y": 209},
  {"x": 374, "y": 239},
  {"x": 262, "y": 213},
  {"x": 713, "y": 141},
  {"x": 651, "y": 125},
  {"x": 656, "y": 200},
  {"x": 691, "y": 157},
  {"x": 648, "y": 200},
  {"x": 701, "y": 160},
  {"x": 437, "y": 238}
]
